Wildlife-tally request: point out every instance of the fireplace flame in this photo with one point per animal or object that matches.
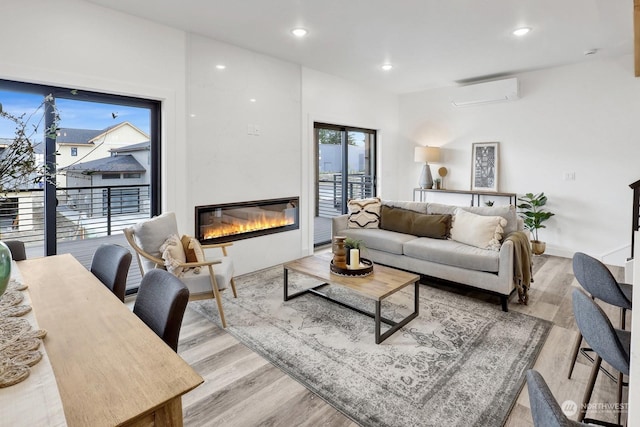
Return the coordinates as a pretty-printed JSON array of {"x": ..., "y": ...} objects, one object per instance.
[{"x": 230, "y": 226}]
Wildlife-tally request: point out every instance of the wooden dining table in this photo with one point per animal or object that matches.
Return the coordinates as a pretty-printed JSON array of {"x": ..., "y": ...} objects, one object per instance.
[{"x": 110, "y": 368}]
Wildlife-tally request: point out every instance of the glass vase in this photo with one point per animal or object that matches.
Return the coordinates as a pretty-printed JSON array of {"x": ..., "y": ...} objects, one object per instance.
[{"x": 5, "y": 267}]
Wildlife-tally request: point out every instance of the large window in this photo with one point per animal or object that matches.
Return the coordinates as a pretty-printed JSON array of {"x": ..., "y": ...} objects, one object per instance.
[
  {"x": 86, "y": 194},
  {"x": 345, "y": 169}
]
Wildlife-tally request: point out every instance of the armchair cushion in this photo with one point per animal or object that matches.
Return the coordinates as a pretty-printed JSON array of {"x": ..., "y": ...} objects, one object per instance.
[
  {"x": 152, "y": 233},
  {"x": 201, "y": 283},
  {"x": 173, "y": 255}
]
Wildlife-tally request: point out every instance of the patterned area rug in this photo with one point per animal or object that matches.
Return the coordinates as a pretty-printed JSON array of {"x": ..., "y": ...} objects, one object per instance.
[{"x": 460, "y": 363}]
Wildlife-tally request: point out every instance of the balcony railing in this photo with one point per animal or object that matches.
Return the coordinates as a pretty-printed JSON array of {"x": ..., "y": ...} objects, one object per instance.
[
  {"x": 81, "y": 213},
  {"x": 329, "y": 204}
]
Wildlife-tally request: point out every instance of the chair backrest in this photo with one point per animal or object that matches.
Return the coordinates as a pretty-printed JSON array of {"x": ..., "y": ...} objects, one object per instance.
[
  {"x": 110, "y": 264},
  {"x": 161, "y": 302},
  {"x": 149, "y": 235},
  {"x": 545, "y": 410},
  {"x": 597, "y": 330},
  {"x": 18, "y": 252},
  {"x": 596, "y": 279}
]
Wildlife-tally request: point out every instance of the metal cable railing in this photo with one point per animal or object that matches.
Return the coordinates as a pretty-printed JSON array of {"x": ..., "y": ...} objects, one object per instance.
[{"x": 81, "y": 213}]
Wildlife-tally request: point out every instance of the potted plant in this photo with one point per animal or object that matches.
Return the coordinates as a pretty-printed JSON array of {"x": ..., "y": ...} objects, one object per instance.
[{"x": 534, "y": 215}]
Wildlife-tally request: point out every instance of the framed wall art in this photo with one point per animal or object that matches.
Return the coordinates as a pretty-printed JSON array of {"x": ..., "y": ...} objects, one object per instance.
[{"x": 484, "y": 166}]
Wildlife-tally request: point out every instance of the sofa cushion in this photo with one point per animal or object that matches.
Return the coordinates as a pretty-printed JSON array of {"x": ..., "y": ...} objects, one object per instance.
[
  {"x": 484, "y": 232},
  {"x": 364, "y": 213},
  {"x": 382, "y": 240},
  {"x": 411, "y": 222},
  {"x": 420, "y": 207},
  {"x": 508, "y": 212},
  {"x": 450, "y": 252}
]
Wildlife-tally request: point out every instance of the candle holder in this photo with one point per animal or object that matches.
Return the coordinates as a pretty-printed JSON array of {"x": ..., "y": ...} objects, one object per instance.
[
  {"x": 366, "y": 268},
  {"x": 339, "y": 252}
]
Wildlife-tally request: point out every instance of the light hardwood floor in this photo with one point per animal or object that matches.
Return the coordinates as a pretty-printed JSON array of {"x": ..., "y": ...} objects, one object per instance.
[{"x": 243, "y": 389}]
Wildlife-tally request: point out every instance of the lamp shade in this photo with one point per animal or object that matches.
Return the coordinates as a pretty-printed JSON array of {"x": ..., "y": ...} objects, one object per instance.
[{"x": 427, "y": 154}]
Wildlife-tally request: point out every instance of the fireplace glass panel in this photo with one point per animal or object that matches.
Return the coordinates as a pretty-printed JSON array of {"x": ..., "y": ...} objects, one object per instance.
[{"x": 236, "y": 221}]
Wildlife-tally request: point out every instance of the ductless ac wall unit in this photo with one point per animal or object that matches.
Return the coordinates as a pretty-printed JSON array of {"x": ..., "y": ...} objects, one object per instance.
[{"x": 486, "y": 93}]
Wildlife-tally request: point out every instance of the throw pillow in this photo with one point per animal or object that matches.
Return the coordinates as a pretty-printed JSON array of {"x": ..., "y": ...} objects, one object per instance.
[
  {"x": 364, "y": 213},
  {"x": 434, "y": 226},
  {"x": 193, "y": 251},
  {"x": 411, "y": 222},
  {"x": 484, "y": 232},
  {"x": 173, "y": 255},
  {"x": 396, "y": 219}
]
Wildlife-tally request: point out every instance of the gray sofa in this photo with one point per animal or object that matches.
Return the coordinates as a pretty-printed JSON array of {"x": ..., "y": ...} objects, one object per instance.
[{"x": 488, "y": 270}]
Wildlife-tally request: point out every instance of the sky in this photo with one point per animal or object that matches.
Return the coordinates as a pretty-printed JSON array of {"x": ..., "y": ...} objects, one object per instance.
[{"x": 73, "y": 113}]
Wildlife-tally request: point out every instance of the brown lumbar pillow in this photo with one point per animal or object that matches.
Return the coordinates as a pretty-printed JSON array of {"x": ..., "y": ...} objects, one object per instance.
[{"x": 410, "y": 222}]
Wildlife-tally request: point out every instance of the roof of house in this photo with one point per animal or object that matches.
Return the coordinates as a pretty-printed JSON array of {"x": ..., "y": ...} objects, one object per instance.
[
  {"x": 126, "y": 163},
  {"x": 88, "y": 136},
  {"x": 141, "y": 146},
  {"x": 76, "y": 136}
]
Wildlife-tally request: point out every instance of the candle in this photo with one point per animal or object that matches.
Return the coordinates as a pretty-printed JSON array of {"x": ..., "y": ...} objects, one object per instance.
[{"x": 354, "y": 258}]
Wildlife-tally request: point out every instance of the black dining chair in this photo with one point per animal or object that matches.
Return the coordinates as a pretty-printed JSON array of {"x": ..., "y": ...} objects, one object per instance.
[
  {"x": 609, "y": 344},
  {"x": 110, "y": 264},
  {"x": 597, "y": 280},
  {"x": 18, "y": 252},
  {"x": 161, "y": 302},
  {"x": 545, "y": 410}
]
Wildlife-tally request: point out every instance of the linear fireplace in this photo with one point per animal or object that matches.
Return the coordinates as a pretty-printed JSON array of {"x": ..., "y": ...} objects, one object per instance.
[{"x": 237, "y": 221}]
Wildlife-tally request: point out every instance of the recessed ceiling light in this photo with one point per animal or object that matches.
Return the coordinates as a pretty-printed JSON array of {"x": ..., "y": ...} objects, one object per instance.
[
  {"x": 521, "y": 31},
  {"x": 386, "y": 67},
  {"x": 299, "y": 32},
  {"x": 221, "y": 66},
  {"x": 252, "y": 100}
]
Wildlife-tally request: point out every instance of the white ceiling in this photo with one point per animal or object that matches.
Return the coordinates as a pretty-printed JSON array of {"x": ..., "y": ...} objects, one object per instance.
[{"x": 431, "y": 43}]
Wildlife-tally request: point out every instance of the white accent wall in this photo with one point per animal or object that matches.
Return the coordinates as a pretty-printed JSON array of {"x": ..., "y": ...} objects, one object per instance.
[
  {"x": 580, "y": 119},
  {"x": 239, "y": 150}
]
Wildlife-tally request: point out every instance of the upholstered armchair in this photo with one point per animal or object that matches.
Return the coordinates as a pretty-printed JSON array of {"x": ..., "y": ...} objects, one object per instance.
[{"x": 157, "y": 244}]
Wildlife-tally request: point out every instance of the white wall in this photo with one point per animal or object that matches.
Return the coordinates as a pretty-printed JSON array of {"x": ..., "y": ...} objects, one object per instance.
[
  {"x": 79, "y": 45},
  {"x": 330, "y": 99},
  {"x": 224, "y": 163},
  {"x": 579, "y": 118}
]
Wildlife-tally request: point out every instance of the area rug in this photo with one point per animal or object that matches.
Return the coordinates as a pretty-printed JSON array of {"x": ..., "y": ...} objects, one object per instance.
[{"x": 460, "y": 363}]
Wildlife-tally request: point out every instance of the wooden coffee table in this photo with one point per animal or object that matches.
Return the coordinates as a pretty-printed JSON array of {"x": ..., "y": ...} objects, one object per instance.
[{"x": 384, "y": 281}]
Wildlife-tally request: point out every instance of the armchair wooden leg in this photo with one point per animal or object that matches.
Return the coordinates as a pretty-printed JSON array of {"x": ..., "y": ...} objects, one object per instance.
[
  {"x": 589, "y": 389},
  {"x": 233, "y": 288},
  {"x": 217, "y": 296},
  {"x": 574, "y": 355}
]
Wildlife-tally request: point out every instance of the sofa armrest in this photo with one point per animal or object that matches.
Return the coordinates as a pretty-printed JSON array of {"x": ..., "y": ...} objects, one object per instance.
[{"x": 339, "y": 223}]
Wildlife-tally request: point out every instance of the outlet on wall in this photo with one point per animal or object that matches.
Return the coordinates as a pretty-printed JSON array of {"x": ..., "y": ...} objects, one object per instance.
[{"x": 569, "y": 176}]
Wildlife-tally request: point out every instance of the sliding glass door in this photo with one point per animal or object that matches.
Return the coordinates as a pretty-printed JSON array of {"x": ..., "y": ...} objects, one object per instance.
[
  {"x": 102, "y": 158},
  {"x": 345, "y": 169}
]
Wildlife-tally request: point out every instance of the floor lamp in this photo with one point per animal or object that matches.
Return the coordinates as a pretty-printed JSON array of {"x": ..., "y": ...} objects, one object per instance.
[{"x": 426, "y": 155}]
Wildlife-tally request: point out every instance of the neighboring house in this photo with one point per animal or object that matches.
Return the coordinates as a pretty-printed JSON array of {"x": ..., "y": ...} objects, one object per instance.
[
  {"x": 90, "y": 178},
  {"x": 82, "y": 145}
]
